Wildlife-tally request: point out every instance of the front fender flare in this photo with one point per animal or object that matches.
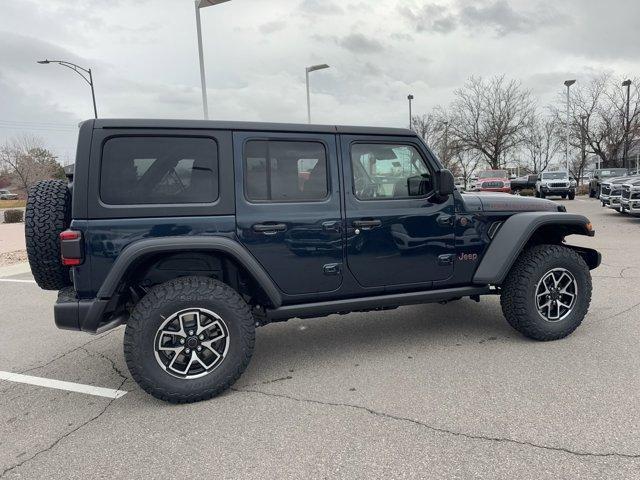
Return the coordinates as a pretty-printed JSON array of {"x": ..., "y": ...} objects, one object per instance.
[
  {"x": 136, "y": 251},
  {"x": 514, "y": 234}
]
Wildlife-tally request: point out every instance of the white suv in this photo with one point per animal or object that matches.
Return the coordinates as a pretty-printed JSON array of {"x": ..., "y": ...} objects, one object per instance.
[{"x": 555, "y": 183}]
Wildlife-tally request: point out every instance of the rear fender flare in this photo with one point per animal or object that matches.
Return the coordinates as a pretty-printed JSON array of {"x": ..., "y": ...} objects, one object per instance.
[{"x": 137, "y": 251}]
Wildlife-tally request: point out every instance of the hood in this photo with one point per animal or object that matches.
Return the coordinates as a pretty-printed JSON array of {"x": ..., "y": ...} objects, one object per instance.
[{"x": 504, "y": 202}]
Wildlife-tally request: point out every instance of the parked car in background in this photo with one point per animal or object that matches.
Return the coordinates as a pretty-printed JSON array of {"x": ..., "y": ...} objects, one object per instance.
[
  {"x": 603, "y": 174},
  {"x": 460, "y": 184},
  {"x": 630, "y": 197},
  {"x": 7, "y": 195},
  {"x": 611, "y": 191},
  {"x": 555, "y": 183},
  {"x": 528, "y": 182},
  {"x": 493, "y": 181}
]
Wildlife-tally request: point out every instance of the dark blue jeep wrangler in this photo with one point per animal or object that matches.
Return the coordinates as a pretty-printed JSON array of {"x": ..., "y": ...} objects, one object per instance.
[{"x": 194, "y": 233}]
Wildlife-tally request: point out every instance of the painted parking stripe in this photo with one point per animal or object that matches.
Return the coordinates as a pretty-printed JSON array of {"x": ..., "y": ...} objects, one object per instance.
[
  {"x": 60, "y": 385},
  {"x": 15, "y": 280}
]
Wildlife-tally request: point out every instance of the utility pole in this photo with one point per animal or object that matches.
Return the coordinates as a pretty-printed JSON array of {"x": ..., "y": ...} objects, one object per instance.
[
  {"x": 583, "y": 148},
  {"x": 627, "y": 126},
  {"x": 85, "y": 73},
  {"x": 410, "y": 98},
  {"x": 446, "y": 144},
  {"x": 567, "y": 84}
]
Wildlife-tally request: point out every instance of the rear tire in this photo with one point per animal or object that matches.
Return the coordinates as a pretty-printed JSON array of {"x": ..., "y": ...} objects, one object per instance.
[
  {"x": 203, "y": 309},
  {"x": 48, "y": 213},
  {"x": 524, "y": 288}
]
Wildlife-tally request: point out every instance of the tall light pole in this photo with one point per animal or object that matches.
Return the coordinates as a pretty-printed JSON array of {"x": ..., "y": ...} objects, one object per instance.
[
  {"x": 410, "y": 98},
  {"x": 446, "y": 144},
  {"x": 627, "y": 126},
  {"x": 85, "y": 73},
  {"x": 567, "y": 84},
  {"x": 583, "y": 148},
  {"x": 202, "y": 4},
  {"x": 308, "y": 70}
]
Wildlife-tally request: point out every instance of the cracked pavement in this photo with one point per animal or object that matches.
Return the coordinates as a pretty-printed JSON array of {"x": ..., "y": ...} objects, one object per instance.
[{"x": 427, "y": 391}]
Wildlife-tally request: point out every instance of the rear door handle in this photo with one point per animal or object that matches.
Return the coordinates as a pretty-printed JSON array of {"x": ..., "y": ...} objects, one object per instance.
[
  {"x": 367, "y": 224},
  {"x": 269, "y": 228}
]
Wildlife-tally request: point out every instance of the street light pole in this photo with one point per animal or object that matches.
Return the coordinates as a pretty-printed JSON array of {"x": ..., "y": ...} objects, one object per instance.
[
  {"x": 446, "y": 144},
  {"x": 410, "y": 98},
  {"x": 198, "y": 5},
  {"x": 308, "y": 70},
  {"x": 567, "y": 84},
  {"x": 627, "y": 126},
  {"x": 85, "y": 73},
  {"x": 583, "y": 149}
]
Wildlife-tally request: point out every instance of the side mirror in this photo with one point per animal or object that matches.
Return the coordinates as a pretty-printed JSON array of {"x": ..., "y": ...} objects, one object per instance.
[{"x": 445, "y": 182}]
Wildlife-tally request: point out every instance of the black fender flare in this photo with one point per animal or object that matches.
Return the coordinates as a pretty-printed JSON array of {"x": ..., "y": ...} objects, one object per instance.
[
  {"x": 513, "y": 236},
  {"x": 136, "y": 251}
]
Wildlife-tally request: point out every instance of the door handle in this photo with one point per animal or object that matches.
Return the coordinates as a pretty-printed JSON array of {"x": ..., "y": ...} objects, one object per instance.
[
  {"x": 331, "y": 226},
  {"x": 367, "y": 224},
  {"x": 445, "y": 220},
  {"x": 269, "y": 228}
]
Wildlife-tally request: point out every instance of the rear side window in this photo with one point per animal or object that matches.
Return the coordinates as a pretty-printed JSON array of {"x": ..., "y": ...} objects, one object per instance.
[
  {"x": 285, "y": 171},
  {"x": 159, "y": 170}
]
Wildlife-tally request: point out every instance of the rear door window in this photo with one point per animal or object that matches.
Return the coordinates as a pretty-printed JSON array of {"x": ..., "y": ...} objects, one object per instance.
[
  {"x": 285, "y": 171},
  {"x": 159, "y": 170}
]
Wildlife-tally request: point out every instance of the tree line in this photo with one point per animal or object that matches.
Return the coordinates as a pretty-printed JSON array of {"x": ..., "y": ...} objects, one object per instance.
[
  {"x": 496, "y": 123},
  {"x": 24, "y": 160}
]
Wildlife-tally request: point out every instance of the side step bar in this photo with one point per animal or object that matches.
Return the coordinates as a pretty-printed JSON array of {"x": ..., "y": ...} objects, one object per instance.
[{"x": 318, "y": 309}]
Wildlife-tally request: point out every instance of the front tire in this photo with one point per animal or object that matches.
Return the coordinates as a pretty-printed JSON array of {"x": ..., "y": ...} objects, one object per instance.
[
  {"x": 189, "y": 339},
  {"x": 572, "y": 195},
  {"x": 547, "y": 293}
]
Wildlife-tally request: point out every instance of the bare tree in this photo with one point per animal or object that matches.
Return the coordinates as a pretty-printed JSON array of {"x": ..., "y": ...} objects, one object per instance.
[
  {"x": 27, "y": 161},
  {"x": 425, "y": 126},
  {"x": 543, "y": 141},
  {"x": 599, "y": 106},
  {"x": 490, "y": 117},
  {"x": 466, "y": 164}
]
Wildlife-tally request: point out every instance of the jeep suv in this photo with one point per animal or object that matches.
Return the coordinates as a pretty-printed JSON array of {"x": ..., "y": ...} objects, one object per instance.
[
  {"x": 555, "y": 183},
  {"x": 194, "y": 233}
]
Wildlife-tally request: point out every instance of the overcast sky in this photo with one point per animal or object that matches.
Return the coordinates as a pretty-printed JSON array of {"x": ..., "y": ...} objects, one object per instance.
[{"x": 144, "y": 57}]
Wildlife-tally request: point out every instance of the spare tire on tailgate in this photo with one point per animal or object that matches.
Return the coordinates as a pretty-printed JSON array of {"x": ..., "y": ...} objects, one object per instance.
[{"x": 48, "y": 213}]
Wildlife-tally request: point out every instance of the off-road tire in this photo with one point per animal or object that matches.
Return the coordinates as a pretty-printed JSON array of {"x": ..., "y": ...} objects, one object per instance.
[
  {"x": 48, "y": 213},
  {"x": 519, "y": 288},
  {"x": 564, "y": 196},
  {"x": 542, "y": 194},
  {"x": 572, "y": 195},
  {"x": 592, "y": 193},
  {"x": 168, "y": 298}
]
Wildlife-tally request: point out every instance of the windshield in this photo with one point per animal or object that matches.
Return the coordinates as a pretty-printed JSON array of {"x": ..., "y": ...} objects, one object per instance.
[
  {"x": 614, "y": 172},
  {"x": 493, "y": 174},
  {"x": 554, "y": 175}
]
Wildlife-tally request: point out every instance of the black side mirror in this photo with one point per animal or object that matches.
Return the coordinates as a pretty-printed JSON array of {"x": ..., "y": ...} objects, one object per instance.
[{"x": 445, "y": 182}]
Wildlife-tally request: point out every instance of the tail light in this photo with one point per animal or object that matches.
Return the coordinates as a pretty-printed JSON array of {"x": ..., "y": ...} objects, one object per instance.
[{"x": 71, "y": 248}]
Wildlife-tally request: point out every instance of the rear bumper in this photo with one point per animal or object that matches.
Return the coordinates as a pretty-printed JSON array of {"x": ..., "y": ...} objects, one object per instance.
[{"x": 87, "y": 315}]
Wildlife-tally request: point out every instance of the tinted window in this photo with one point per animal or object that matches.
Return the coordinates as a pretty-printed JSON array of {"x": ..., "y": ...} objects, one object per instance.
[
  {"x": 283, "y": 171},
  {"x": 387, "y": 171},
  {"x": 159, "y": 170}
]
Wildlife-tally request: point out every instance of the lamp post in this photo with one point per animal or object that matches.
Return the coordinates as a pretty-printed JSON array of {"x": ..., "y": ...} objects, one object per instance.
[
  {"x": 308, "y": 70},
  {"x": 567, "y": 84},
  {"x": 583, "y": 150},
  {"x": 627, "y": 126},
  {"x": 445, "y": 158},
  {"x": 202, "y": 4},
  {"x": 410, "y": 98},
  {"x": 85, "y": 73}
]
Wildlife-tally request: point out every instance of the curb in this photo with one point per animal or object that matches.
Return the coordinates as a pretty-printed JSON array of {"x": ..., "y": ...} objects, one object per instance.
[{"x": 16, "y": 269}]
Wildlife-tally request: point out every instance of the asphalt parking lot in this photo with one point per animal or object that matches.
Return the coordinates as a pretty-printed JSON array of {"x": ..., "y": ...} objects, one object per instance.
[{"x": 434, "y": 391}]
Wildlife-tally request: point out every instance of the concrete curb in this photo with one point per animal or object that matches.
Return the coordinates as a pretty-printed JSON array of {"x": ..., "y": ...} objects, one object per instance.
[{"x": 16, "y": 269}]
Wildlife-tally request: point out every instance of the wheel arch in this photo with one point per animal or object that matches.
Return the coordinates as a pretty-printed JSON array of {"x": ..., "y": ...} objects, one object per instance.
[
  {"x": 523, "y": 230},
  {"x": 143, "y": 254}
]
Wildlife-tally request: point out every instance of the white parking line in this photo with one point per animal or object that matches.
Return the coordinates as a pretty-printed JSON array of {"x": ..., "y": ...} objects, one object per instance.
[
  {"x": 60, "y": 385},
  {"x": 16, "y": 280}
]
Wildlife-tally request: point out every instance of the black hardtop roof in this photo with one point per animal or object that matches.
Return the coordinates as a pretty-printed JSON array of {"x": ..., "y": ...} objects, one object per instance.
[{"x": 248, "y": 126}]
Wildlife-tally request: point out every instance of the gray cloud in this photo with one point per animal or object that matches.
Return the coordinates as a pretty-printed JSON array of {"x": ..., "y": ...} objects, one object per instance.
[
  {"x": 359, "y": 43},
  {"x": 320, "y": 7},
  {"x": 498, "y": 16},
  {"x": 272, "y": 27}
]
